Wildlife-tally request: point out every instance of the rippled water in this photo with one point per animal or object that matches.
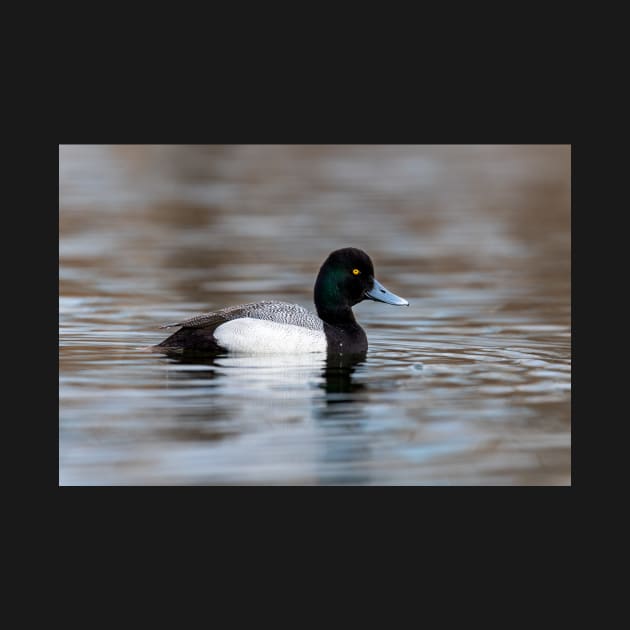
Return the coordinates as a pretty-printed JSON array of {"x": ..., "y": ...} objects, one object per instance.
[{"x": 471, "y": 384}]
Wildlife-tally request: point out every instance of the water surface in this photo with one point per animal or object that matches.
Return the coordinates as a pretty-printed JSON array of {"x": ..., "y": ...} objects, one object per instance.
[{"x": 468, "y": 385}]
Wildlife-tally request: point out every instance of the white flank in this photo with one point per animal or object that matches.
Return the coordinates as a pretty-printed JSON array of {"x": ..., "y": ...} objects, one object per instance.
[{"x": 260, "y": 336}]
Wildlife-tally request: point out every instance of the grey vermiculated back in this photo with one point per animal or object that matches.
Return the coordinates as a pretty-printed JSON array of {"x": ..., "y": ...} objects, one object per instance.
[{"x": 281, "y": 312}]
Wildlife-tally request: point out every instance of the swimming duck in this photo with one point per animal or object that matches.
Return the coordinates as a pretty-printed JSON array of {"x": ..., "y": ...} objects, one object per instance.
[{"x": 345, "y": 279}]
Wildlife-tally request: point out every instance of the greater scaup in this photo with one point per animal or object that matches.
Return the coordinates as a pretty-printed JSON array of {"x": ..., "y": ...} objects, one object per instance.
[{"x": 345, "y": 279}]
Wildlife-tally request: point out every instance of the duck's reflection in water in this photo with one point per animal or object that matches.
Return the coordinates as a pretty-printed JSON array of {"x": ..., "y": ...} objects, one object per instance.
[
  {"x": 335, "y": 371},
  {"x": 345, "y": 448},
  {"x": 312, "y": 404},
  {"x": 338, "y": 376}
]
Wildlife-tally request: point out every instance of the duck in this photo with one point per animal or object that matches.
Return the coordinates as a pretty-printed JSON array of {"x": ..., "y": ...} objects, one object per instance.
[{"x": 271, "y": 327}]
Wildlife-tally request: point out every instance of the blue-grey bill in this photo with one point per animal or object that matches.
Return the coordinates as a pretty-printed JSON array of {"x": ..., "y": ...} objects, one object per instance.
[{"x": 379, "y": 293}]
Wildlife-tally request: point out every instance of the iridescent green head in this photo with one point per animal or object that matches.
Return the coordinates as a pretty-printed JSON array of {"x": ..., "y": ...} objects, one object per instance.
[{"x": 347, "y": 278}]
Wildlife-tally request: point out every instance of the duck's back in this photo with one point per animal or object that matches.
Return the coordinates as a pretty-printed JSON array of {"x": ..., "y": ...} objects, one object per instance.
[{"x": 266, "y": 326}]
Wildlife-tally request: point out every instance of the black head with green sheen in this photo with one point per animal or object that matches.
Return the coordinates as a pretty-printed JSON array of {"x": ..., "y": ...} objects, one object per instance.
[{"x": 347, "y": 278}]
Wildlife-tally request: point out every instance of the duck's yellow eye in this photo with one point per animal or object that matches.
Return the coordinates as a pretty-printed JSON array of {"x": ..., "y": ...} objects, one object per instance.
[{"x": 356, "y": 272}]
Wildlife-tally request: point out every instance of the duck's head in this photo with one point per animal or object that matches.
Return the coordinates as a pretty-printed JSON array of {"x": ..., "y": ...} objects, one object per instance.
[{"x": 347, "y": 278}]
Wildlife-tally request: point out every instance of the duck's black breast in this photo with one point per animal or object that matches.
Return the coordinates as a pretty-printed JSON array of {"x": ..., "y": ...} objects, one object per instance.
[{"x": 347, "y": 338}]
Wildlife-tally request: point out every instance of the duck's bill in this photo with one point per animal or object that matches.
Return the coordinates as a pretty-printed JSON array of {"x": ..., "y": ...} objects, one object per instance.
[{"x": 379, "y": 293}]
